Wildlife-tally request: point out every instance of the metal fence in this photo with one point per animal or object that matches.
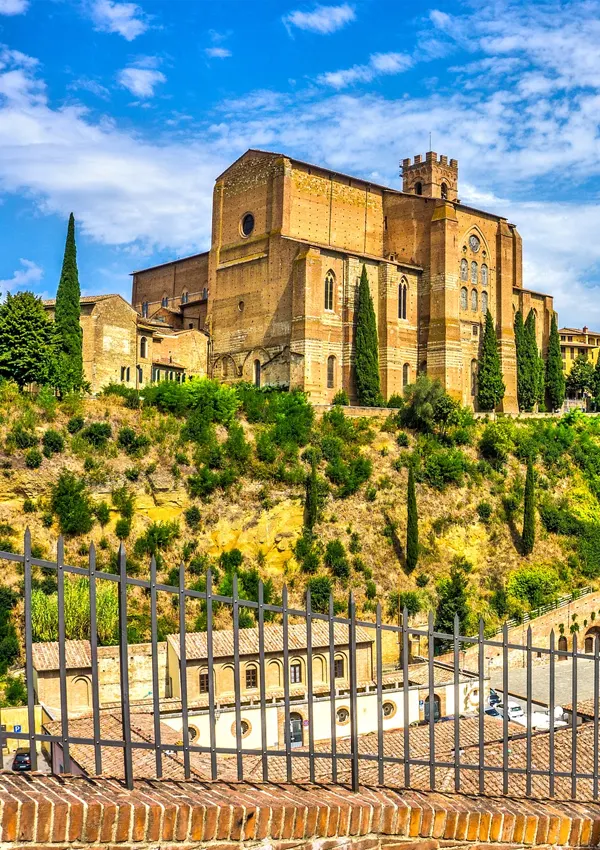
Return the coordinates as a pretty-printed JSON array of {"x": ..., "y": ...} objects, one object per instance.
[{"x": 430, "y": 755}]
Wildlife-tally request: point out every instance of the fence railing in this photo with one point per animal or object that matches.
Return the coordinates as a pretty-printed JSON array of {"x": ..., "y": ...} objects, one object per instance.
[
  {"x": 561, "y": 602},
  {"x": 473, "y": 751}
]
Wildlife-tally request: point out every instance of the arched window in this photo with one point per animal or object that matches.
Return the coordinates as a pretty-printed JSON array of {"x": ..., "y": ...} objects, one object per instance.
[
  {"x": 185, "y": 297},
  {"x": 444, "y": 189},
  {"x": 329, "y": 281},
  {"x": 338, "y": 667},
  {"x": 484, "y": 275},
  {"x": 484, "y": 302},
  {"x": 473, "y": 272},
  {"x": 464, "y": 298},
  {"x": 330, "y": 372},
  {"x": 257, "y": 373},
  {"x": 562, "y": 647},
  {"x": 143, "y": 347},
  {"x": 251, "y": 676},
  {"x": 296, "y": 730},
  {"x": 473, "y": 378},
  {"x": 474, "y": 300},
  {"x": 464, "y": 269},
  {"x": 418, "y": 188},
  {"x": 203, "y": 681},
  {"x": 140, "y": 373},
  {"x": 436, "y": 707},
  {"x": 402, "y": 298},
  {"x": 406, "y": 374},
  {"x": 589, "y": 644},
  {"x": 145, "y": 310},
  {"x": 80, "y": 692},
  {"x": 165, "y": 301}
]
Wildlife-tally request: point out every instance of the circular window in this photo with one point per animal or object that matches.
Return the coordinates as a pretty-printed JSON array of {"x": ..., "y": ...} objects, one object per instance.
[
  {"x": 193, "y": 732},
  {"x": 342, "y": 716},
  {"x": 240, "y": 306},
  {"x": 245, "y": 726},
  {"x": 247, "y": 225},
  {"x": 389, "y": 709}
]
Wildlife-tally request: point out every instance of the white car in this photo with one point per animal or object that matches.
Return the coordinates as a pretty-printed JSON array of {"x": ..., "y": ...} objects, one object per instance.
[
  {"x": 513, "y": 711},
  {"x": 540, "y": 720}
]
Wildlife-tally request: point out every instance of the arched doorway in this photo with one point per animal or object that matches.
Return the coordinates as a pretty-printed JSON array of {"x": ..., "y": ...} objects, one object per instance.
[
  {"x": 296, "y": 730},
  {"x": 562, "y": 647},
  {"x": 437, "y": 705},
  {"x": 590, "y": 639},
  {"x": 257, "y": 373}
]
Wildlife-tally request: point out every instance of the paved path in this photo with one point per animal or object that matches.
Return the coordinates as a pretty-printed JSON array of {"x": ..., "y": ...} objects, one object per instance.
[{"x": 517, "y": 682}]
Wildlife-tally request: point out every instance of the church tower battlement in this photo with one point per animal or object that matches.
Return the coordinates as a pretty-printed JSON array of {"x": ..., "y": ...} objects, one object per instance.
[{"x": 431, "y": 177}]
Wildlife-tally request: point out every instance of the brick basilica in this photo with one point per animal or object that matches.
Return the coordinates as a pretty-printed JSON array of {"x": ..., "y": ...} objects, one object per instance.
[{"x": 277, "y": 290}]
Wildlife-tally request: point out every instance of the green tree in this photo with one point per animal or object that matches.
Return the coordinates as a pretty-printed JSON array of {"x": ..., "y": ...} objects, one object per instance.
[
  {"x": 490, "y": 386},
  {"x": 596, "y": 383},
  {"x": 66, "y": 317},
  {"x": 423, "y": 403},
  {"x": 71, "y": 503},
  {"x": 522, "y": 375},
  {"x": 533, "y": 363},
  {"x": 367, "y": 347},
  {"x": 412, "y": 524},
  {"x": 534, "y": 585},
  {"x": 311, "y": 504},
  {"x": 453, "y": 599},
  {"x": 581, "y": 377},
  {"x": 555, "y": 378},
  {"x": 27, "y": 342},
  {"x": 529, "y": 511}
]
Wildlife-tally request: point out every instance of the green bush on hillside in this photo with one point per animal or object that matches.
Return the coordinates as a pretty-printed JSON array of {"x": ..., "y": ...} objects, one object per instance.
[{"x": 70, "y": 502}]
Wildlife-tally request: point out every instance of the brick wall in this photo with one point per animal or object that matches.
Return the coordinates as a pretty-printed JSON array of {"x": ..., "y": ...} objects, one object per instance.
[{"x": 61, "y": 812}]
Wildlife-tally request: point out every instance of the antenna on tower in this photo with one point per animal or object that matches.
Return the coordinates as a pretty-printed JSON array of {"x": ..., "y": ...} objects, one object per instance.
[{"x": 430, "y": 140}]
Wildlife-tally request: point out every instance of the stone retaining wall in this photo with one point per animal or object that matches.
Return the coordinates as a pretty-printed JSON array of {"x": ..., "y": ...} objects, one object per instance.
[{"x": 68, "y": 812}]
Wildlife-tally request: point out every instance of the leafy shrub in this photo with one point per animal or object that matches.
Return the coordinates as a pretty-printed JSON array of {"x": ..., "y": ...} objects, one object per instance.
[
  {"x": 349, "y": 475},
  {"x": 192, "y": 517},
  {"x": 97, "y": 434},
  {"x": 341, "y": 398},
  {"x": 320, "y": 591},
  {"x": 496, "y": 443},
  {"x": 29, "y": 506},
  {"x": 102, "y": 513},
  {"x": 399, "y": 600},
  {"x": 47, "y": 520},
  {"x": 22, "y": 437},
  {"x": 75, "y": 424},
  {"x": 70, "y": 502},
  {"x": 77, "y": 612},
  {"x": 157, "y": 537},
  {"x": 370, "y": 494},
  {"x": 124, "y": 501},
  {"x": 355, "y": 544},
  {"x": 557, "y": 518},
  {"x": 420, "y": 400},
  {"x": 484, "y": 509},
  {"x": 236, "y": 447},
  {"x": 371, "y": 589},
  {"x": 130, "y": 395},
  {"x": 123, "y": 528},
  {"x": 336, "y": 559},
  {"x": 132, "y": 443},
  {"x": 422, "y": 580},
  {"x": 402, "y": 439},
  {"x": 444, "y": 467},
  {"x": 307, "y": 553},
  {"x": 534, "y": 585},
  {"x": 53, "y": 442},
  {"x": 132, "y": 473},
  {"x": 33, "y": 458},
  {"x": 396, "y": 401}
]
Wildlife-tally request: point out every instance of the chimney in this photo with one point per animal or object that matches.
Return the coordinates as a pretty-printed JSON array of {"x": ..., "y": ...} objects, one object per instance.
[{"x": 585, "y": 330}]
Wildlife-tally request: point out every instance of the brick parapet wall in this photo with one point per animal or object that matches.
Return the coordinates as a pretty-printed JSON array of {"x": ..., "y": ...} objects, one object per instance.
[{"x": 61, "y": 812}]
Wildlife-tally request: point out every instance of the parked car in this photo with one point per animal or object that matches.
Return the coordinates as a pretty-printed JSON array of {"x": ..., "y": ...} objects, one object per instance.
[
  {"x": 493, "y": 698},
  {"x": 22, "y": 760},
  {"x": 541, "y": 719},
  {"x": 492, "y": 711},
  {"x": 512, "y": 710}
]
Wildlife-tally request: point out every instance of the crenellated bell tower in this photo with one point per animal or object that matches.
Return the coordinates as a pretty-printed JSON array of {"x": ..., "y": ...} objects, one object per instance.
[{"x": 431, "y": 177}]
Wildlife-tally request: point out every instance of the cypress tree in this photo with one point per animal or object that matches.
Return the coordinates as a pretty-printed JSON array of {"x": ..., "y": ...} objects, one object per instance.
[
  {"x": 66, "y": 317},
  {"x": 311, "y": 503},
  {"x": 520, "y": 352},
  {"x": 367, "y": 347},
  {"x": 533, "y": 365},
  {"x": 529, "y": 511},
  {"x": 490, "y": 385},
  {"x": 555, "y": 377},
  {"x": 596, "y": 383},
  {"x": 412, "y": 524}
]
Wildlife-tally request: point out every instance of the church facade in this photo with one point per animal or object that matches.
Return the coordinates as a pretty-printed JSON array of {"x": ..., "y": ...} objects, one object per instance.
[{"x": 277, "y": 291}]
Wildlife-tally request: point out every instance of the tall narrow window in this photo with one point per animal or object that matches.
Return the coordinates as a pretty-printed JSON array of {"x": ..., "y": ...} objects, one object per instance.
[
  {"x": 257, "y": 373},
  {"x": 473, "y": 272},
  {"x": 473, "y": 378},
  {"x": 296, "y": 673},
  {"x": 143, "y": 347},
  {"x": 484, "y": 302},
  {"x": 418, "y": 188},
  {"x": 330, "y": 372},
  {"x": 140, "y": 372},
  {"x": 165, "y": 301},
  {"x": 145, "y": 310},
  {"x": 484, "y": 275},
  {"x": 474, "y": 300},
  {"x": 122, "y": 373},
  {"x": 464, "y": 269},
  {"x": 405, "y": 375},
  {"x": 329, "y": 281},
  {"x": 464, "y": 298},
  {"x": 184, "y": 297},
  {"x": 444, "y": 189},
  {"x": 402, "y": 298}
]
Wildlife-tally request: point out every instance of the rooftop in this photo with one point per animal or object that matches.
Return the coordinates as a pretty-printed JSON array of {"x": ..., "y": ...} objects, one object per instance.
[{"x": 196, "y": 647}]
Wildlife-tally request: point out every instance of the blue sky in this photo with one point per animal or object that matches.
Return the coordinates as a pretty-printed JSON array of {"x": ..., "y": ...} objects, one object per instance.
[{"x": 125, "y": 112}]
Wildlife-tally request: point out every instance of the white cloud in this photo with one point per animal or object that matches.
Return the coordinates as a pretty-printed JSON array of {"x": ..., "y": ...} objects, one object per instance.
[
  {"x": 322, "y": 19},
  {"x": 142, "y": 77},
  {"x": 13, "y": 7},
  {"x": 217, "y": 52},
  {"x": 92, "y": 86},
  {"x": 378, "y": 64},
  {"x": 24, "y": 278},
  {"x": 126, "y": 19}
]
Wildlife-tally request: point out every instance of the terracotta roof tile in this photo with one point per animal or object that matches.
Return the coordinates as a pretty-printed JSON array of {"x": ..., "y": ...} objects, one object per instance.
[{"x": 195, "y": 642}]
